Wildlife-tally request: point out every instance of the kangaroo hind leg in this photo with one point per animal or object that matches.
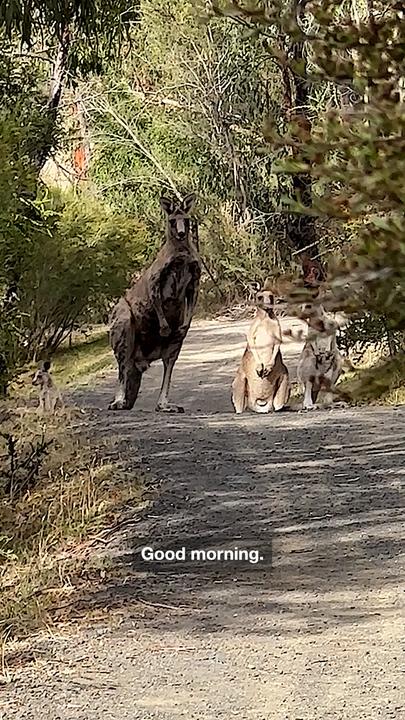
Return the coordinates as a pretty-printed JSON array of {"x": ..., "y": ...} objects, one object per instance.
[
  {"x": 282, "y": 394},
  {"x": 169, "y": 361},
  {"x": 239, "y": 392},
  {"x": 122, "y": 339},
  {"x": 308, "y": 403}
]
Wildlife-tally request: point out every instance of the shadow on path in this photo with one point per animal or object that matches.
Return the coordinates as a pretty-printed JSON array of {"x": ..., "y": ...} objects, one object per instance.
[{"x": 317, "y": 495}]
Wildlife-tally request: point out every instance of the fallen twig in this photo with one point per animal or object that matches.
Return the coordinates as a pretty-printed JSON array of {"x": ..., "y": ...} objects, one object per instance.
[
  {"x": 162, "y": 648},
  {"x": 164, "y": 606}
]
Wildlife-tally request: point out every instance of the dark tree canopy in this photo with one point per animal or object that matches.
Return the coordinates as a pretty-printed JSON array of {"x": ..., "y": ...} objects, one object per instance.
[{"x": 95, "y": 20}]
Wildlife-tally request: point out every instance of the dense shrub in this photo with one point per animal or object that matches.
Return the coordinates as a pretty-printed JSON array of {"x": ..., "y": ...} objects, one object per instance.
[
  {"x": 91, "y": 253},
  {"x": 63, "y": 263}
]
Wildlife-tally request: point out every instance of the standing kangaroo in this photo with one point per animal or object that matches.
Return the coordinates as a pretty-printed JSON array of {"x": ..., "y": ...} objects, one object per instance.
[{"x": 151, "y": 321}]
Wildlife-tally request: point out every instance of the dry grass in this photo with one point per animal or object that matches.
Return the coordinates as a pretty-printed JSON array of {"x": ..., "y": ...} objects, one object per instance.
[
  {"x": 72, "y": 366},
  {"x": 378, "y": 380},
  {"x": 46, "y": 530},
  {"x": 84, "y": 360}
]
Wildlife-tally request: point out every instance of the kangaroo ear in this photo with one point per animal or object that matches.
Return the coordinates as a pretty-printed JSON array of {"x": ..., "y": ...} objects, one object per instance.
[
  {"x": 46, "y": 365},
  {"x": 166, "y": 205},
  {"x": 188, "y": 203}
]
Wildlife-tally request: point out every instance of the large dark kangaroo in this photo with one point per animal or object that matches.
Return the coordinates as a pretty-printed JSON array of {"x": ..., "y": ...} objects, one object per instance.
[{"x": 151, "y": 321}]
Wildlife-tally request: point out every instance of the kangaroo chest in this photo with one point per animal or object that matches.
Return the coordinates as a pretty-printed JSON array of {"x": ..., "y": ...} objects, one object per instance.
[
  {"x": 264, "y": 338},
  {"x": 181, "y": 272},
  {"x": 264, "y": 342}
]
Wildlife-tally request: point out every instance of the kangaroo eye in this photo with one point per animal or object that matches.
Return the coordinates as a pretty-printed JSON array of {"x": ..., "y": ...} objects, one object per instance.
[{"x": 260, "y": 297}]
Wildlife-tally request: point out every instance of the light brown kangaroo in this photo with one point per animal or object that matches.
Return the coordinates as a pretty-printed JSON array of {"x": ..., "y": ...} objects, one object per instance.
[
  {"x": 49, "y": 395},
  {"x": 320, "y": 363},
  {"x": 261, "y": 383},
  {"x": 151, "y": 321}
]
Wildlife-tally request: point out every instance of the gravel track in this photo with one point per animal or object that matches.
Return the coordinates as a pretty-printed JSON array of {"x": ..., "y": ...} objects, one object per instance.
[{"x": 314, "y": 631}]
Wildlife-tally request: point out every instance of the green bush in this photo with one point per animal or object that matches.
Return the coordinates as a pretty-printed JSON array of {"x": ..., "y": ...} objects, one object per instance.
[
  {"x": 370, "y": 328},
  {"x": 18, "y": 232},
  {"x": 63, "y": 260},
  {"x": 90, "y": 253}
]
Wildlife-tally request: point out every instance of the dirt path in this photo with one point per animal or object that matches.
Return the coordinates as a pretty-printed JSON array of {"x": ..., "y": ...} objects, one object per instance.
[{"x": 311, "y": 632}]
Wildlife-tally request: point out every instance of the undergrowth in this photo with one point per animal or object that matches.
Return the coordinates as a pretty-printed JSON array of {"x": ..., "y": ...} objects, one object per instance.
[
  {"x": 84, "y": 359},
  {"x": 44, "y": 529},
  {"x": 71, "y": 366},
  {"x": 380, "y": 381},
  {"x": 58, "y": 490}
]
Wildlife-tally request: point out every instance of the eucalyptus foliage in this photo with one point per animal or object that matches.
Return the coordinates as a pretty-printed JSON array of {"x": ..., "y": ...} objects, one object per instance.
[
  {"x": 97, "y": 26},
  {"x": 357, "y": 150},
  {"x": 62, "y": 259},
  {"x": 186, "y": 112}
]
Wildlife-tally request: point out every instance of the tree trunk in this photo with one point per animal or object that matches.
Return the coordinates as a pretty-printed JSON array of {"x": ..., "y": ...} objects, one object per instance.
[
  {"x": 3, "y": 376},
  {"x": 55, "y": 93},
  {"x": 81, "y": 154},
  {"x": 300, "y": 226}
]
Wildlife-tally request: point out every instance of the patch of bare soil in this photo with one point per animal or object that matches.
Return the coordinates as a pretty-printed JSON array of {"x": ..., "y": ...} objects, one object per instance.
[{"x": 313, "y": 630}]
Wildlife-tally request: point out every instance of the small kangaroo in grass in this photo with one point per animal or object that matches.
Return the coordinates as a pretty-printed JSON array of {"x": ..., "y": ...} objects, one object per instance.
[
  {"x": 49, "y": 395},
  {"x": 151, "y": 321}
]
